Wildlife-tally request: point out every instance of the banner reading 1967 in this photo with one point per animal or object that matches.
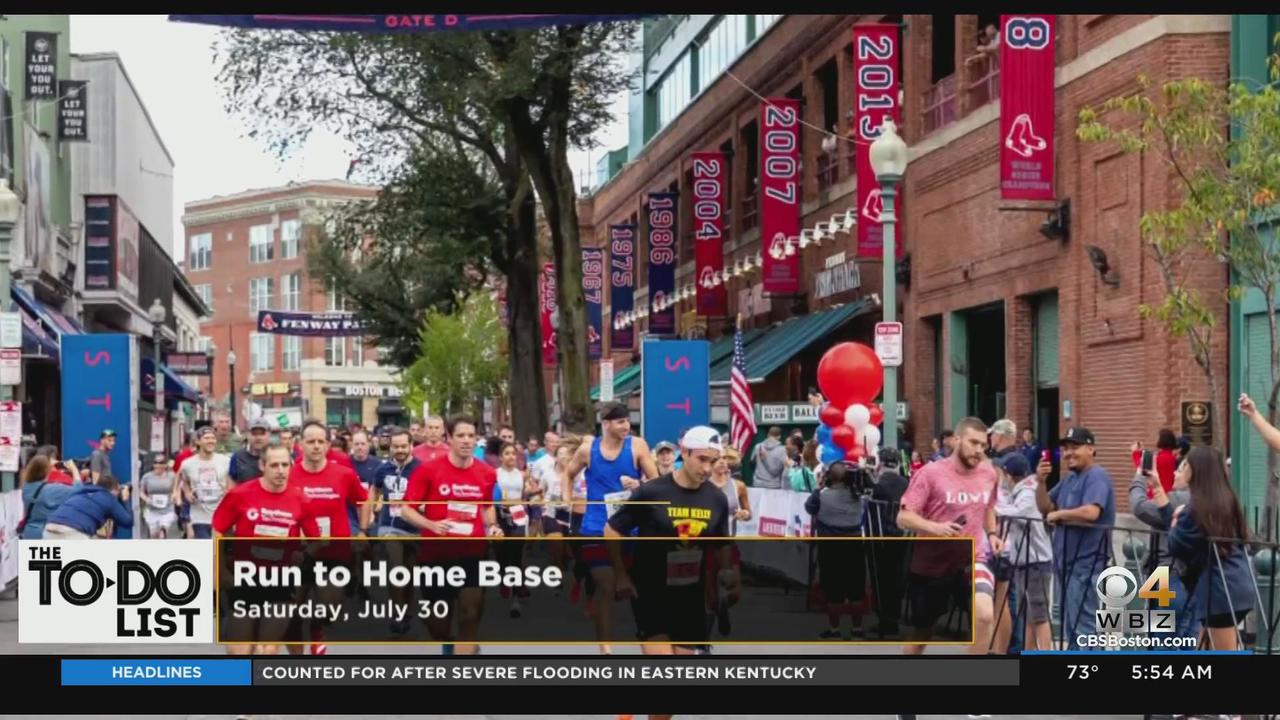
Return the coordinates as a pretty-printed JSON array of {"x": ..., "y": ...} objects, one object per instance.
[
  {"x": 622, "y": 277},
  {"x": 875, "y": 97},
  {"x": 547, "y": 298},
  {"x": 593, "y": 291},
  {"x": 661, "y": 209},
  {"x": 708, "y": 232},
  {"x": 780, "y": 193},
  {"x": 1026, "y": 107}
]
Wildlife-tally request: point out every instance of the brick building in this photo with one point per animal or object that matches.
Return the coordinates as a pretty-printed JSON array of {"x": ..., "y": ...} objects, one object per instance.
[
  {"x": 247, "y": 252},
  {"x": 1001, "y": 319}
]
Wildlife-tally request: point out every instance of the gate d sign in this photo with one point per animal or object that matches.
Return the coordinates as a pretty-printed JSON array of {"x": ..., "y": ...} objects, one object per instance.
[{"x": 889, "y": 343}]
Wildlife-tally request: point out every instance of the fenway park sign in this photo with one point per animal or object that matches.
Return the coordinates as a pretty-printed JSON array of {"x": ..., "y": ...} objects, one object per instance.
[{"x": 310, "y": 324}]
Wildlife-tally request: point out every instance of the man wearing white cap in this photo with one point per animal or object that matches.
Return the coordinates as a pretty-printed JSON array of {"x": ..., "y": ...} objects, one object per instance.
[{"x": 666, "y": 580}]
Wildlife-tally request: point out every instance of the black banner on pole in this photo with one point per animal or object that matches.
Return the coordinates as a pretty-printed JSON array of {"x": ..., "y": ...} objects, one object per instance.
[
  {"x": 310, "y": 324},
  {"x": 42, "y": 66},
  {"x": 73, "y": 111}
]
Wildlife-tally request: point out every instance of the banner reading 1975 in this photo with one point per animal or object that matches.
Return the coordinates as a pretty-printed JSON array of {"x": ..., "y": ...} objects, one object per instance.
[
  {"x": 780, "y": 193},
  {"x": 622, "y": 277},
  {"x": 661, "y": 209},
  {"x": 1026, "y": 107},
  {"x": 875, "y": 97},
  {"x": 708, "y": 232}
]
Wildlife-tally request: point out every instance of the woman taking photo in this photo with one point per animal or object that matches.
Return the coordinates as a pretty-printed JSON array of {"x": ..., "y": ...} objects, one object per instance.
[
  {"x": 1166, "y": 458},
  {"x": 836, "y": 509},
  {"x": 40, "y": 496}
]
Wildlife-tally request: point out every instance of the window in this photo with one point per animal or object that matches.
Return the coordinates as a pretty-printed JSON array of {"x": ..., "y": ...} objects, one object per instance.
[
  {"x": 336, "y": 303},
  {"x": 201, "y": 251},
  {"x": 335, "y": 351},
  {"x": 357, "y": 351},
  {"x": 290, "y": 233},
  {"x": 720, "y": 48},
  {"x": 673, "y": 91},
  {"x": 205, "y": 293},
  {"x": 290, "y": 291},
  {"x": 262, "y": 351},
  {"x": 261, "y": 244},
  {"x": 291, "y": 353},
  {"x": 764, "y": 21},
  {"x": 259, "y": 295},
  {"x": 342, "y": 412}
]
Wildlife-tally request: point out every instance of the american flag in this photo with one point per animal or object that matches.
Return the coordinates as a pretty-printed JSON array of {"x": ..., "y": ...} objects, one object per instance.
[{"x": 742, "y": 416}]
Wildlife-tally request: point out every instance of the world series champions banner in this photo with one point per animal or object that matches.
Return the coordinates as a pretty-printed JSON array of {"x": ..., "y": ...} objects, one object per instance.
[
  {"x": 780, "y": 193},
  {"x": 875, "y": 97},
  {"x": 593, "y": 291},
  {"x": 547, "y": 298},
  {"x": 708, "y": 232},
  {"x": 622, "y": 280},
  {"x": 1026, "y": 107},
  {"x": 660, "y": 209}
]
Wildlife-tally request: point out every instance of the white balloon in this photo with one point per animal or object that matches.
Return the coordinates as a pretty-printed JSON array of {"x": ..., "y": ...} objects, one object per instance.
[
  {"x": 857, "y": 416},
  {"x": 871, "y": 438}
]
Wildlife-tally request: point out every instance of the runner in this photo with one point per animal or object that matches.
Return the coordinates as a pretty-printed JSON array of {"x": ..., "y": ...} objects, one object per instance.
[
  {"x": 665, "y": 456},
  {"x": 432, "y": 445},
  {"x": 613, "y": 464},
  {"x": 331, "y": 488},
  {"x": 735, "y": 492},
  {"x": 205, "y": 479},
  {"x": 953, "y": 497},
  {"x": 158, "y": 493},
  {"x": 454, "y": 488},
  {"x": 513, "y": 516},
  {"x": 388, "y": 488}
]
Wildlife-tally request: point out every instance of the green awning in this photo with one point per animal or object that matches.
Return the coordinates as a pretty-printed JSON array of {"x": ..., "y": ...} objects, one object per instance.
[
  {"x": 775, "y": 347},
  {"x": 625, "y": 381}
]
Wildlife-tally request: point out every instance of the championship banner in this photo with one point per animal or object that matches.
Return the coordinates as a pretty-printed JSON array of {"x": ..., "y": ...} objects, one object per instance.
[
  {"x": 875, "y": 97},
  {"x": 661, "y": 213},
  {"x": 622, "y": 277},
  {"x": 310, "y": 324},
  {"x": 547, "y": 299},
  {"x": 73, "y": 110},
  {"x": 780, "y": 193},
  {"x": 593, "y": 291},
  {"x": 1026, "y": 107},
  {"x": 708, "y": 232},
  {"x": 41, "y": 69},
  {"x": 399, "y": 23}
]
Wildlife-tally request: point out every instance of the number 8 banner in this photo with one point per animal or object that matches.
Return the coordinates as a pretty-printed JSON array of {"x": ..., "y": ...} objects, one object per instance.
[{"x": 1026, "y": 107}]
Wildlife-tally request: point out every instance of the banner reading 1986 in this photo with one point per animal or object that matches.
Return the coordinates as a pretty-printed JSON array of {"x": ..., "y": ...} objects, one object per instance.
[
  {"x": 875, "y": 97},
  {"x": 622, "y": 278},
  {"x": 661, "y": 210},
  {"x": 708, "y": 232},
  {"x": 780, "y": 193},
  {"x": 1026, "y": 107},
  {"x": 593, "y": 291}
]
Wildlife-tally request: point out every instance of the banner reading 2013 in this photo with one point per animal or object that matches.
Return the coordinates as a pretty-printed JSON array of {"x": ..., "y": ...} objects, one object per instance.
[
  {"x": 661, "y": 212},
  {"x": 780, "y": 193},
  {"x": 622, "y": 280},
  {"x": 875, "y": 97},
  {"x": 593, "y": 291},
  {"x": 708, "y": 232},
  {"x": 1026, "y": 107}
]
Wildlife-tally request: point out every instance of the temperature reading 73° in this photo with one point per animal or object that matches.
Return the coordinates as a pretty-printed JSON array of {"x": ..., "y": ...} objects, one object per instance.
[{"x": 1081, "y": 672}]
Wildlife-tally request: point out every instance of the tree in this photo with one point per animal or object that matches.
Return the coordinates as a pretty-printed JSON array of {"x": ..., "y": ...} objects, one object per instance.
[
  {"x": 458, "y": 363},
  {"x": 1227, "y": 184}
]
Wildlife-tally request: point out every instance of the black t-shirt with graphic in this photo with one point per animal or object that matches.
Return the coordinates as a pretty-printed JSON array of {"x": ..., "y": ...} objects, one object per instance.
[{"x": 685, "y": 513}]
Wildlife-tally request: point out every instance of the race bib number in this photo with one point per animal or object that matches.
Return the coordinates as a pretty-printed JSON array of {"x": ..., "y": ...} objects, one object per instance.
[
  {"x": 395, "y": 509},
  {"x": 270, "y": 531},
  {"x": 158, "y": 501},
  {"x": 519, "y": 516},
  {"x": 461, "y": 518},
  {"x": 273, "y": 552},
  {"x": 615, "y": 500},
  {"x": 683, "y": 567},
  {"x": 326, "y": 526}
]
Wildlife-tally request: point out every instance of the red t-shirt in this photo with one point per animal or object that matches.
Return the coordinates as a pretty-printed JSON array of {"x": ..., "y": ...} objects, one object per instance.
[
  {"x": 329, "y": 492},
  {"x": 1166, "y": 464},
  {"x": 251, "y": 510},
  {"x": 183, "y": 454},
  {"x": 427, "y": 453},
  {"x": 58, "y": 477},
  {"x": 944, "y": 492},
  {"x": 460, "y": 497}
]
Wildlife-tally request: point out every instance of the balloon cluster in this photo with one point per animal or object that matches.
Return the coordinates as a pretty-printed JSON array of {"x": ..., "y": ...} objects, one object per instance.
[{"x": 850, "y": 376}]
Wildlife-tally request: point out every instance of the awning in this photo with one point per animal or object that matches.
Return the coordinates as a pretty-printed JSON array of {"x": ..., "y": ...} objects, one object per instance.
[
  {"x": 174, "y": 389},
  {"x": 36, "y": 343},
  {"x": 624, "y": 382},
  {"x": 54, "y": 323},
  {"x": 777, "y": 346}
]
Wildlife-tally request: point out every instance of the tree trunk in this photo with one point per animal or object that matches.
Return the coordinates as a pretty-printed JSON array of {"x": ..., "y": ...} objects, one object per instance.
[
  {"x": 1273, "y": 483},
  {"x": 525, "y": 383}
]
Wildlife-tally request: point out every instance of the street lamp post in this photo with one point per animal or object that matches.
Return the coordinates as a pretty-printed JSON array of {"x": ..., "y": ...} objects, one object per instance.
[
  {"x": 210, "y": 352},
  {"x": 10, "y": 212},
  {"x": 156, "y": 313},
  {"x": 888, "y": 155},
  {"x": 231, "y": 372}
]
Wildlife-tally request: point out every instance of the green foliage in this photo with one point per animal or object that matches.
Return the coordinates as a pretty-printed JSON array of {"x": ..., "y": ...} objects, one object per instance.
[{"x": 458, "y": 361}]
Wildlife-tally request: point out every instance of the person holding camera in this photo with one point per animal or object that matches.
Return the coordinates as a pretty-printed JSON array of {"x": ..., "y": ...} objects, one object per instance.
[
  {"x": 88, "y": 510},
  {"x": 836, "y": 509}
]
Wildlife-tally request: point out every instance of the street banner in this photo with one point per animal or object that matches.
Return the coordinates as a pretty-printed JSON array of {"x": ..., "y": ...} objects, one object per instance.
[
  {"x": 593, "y": 291},
  {"x": 875, "y": 97},
  {"x": 399, "y": 23},
  {"x": 41, "y": 69},
  {"x": 660, "y": 210},
  {"x": 189, "y": 363},
  {"x": 708, "y": 232},
  {"x": 675, "y": 381},
  {"x": 1026, "y": 107},
  {"x": 780, "y": 194},
  {"x": 622, "y": 279},
  {"x": 100, "y": 390},
  {"x": 73, "y": 110},
  {"x": 310, "y": 324},
  {"x": 547, "y": 300}
]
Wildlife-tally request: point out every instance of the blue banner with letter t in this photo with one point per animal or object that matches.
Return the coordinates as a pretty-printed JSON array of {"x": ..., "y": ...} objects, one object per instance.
[
  {"x": 675, "y": 386},
  {"x": 100, "y": 391}
]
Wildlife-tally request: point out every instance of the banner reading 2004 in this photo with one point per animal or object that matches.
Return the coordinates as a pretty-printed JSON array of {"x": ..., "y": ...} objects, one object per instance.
[
  {"x": 708, "y": 232},
  {"x": 780, "y": 193},
  {"x": 875, "y": 97}
]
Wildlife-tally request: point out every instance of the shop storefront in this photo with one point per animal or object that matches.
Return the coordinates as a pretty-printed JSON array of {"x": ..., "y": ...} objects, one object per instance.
[{"x": 368, "y": 404}]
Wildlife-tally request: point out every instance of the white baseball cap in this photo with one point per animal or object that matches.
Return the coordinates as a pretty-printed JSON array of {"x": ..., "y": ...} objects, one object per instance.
[{"x": 701, "y": 437}]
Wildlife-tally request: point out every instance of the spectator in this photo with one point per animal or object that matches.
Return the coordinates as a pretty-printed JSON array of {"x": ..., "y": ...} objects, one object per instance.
[
  {"x": 664, "y": 454},
  {"x": 836, "y": 509},
  {"x": 188, "y": 449},
  {"x": 88, "y": 509},
  {"x": 100, "y": 460},
  {"x": 1026, "y": 559},
  {"x": 1166, "y": 458},
  {"x": 244, "y": 463},
  {"x": 1029, "y": 448},
  {"x": 771, "y": 461},
  {"x": 917, "y": 462},
  {"x": 799, "y": 477},
  {"x": 945, "y": 445},
  {"x": 61, "y": 473},
  {"x": 1003, "y": 437},
  {"x": 887, "y": 557},
  {"x": 41, "y": 496},
  {"x": 1147, "y": 499},
  {"x": 988, "y": 45}
]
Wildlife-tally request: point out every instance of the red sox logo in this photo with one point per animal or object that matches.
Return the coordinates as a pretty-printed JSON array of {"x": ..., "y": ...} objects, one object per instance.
[
  {"x": 708, "y": 277},
  {"x": 778, "y": 246},
  {"x": 268, "y": 323}
]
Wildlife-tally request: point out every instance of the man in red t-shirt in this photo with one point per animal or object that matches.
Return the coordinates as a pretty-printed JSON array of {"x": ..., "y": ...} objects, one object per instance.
[
  {"x": 434, "y": 447},
  {"x": 268, "y": 507},
  {"x": 460, "y": 490}
]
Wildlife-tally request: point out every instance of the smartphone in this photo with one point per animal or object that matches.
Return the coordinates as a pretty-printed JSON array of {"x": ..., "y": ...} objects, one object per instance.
[
  {"x": 1148, "y": 461},
  {"x": 1044, "y": 456},
  {"x": 961, "y": 520}
]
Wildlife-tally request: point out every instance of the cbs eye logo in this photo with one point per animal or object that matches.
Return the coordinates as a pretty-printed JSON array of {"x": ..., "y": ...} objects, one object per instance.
[{"x": 1117, "y": 587}]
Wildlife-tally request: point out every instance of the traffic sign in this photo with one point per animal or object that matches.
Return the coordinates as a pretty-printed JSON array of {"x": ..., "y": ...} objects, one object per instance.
[{"x": 889, "y": 343}]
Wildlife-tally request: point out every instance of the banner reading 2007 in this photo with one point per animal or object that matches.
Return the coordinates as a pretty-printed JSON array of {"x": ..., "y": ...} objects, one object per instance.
[
  {"x": 1026, "y": 107},
  {"x": 622, "y": 278},
  {"x": 875, "y": 97},
  {"x": 780, "y": 193},
  {"x": 661, "y": 212},
  {"x": 708, "y": 232},
  {"x": 593, "y": 291}
]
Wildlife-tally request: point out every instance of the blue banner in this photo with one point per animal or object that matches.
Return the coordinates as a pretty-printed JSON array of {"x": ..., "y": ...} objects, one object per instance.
[
  {"x": 100, "y": 389},
  {"x": 399, "y": 23},
  {"x": 660, "y": 212},
  {"x": 622, "y": 274},
  {"x": 310, "y": 324},
  {"x": 593, "y": 290},
  {"x": 675, "y": 385}
]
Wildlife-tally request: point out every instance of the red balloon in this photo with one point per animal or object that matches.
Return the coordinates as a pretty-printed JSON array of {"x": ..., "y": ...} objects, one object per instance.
[
  {"x": 855, "y": 453},
  {"x": 877, "y": 414},
  {"x": 850, "y": 373},
  {"x": 843, "y": 437},
  {"x": 831, "y": 415}
]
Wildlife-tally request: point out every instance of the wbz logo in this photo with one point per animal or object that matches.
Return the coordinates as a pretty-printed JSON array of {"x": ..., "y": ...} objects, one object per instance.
[{"x": 1117, "y": 587}]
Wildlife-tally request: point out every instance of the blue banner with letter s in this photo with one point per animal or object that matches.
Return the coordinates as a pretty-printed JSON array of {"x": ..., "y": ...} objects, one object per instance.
[
  {"x": 100, "y": 391},
  {"x": 676, "y": 388}
]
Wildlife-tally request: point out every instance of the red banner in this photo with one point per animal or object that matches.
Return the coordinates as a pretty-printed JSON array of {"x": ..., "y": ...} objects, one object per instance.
[
  {"x": 708, "y": 232},
  {"x": 875, "y": 97},
  {"x": 780, "y": 194},
  {"x": 1026, "y": 107},
  {"x": 547, "y": 295}
]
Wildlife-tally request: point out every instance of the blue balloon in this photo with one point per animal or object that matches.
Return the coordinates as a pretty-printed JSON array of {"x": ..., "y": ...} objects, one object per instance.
[
  {"x": 831, "y": 454},
  {"x": 823, "y": 435}
]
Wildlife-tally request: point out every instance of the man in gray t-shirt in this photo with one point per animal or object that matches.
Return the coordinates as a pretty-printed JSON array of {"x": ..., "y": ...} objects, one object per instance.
[
  {"x": 100, "y": 461},
  {"x": 205, "y": 480},
  {"x": 771, "y": 461}
]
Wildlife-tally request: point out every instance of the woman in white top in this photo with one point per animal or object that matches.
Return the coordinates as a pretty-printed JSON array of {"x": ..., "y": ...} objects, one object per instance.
[{"x": 513, "y": 515}]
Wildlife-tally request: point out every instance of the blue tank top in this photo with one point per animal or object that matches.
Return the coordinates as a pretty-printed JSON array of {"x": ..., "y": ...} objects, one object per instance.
[{"x": 603, "y": 477}]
